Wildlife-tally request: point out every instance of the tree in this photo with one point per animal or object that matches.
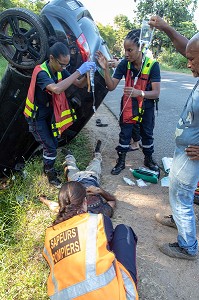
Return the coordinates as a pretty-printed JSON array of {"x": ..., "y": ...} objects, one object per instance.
[
  {"x": 33, "y": 5},
  {"x": 179, "y": 14},
  {"x": 114, "y": 35},
  {"x": 123, "y": 26},
  {"x": 4, "y": 4},
  {"x": 109, "y": 36}
]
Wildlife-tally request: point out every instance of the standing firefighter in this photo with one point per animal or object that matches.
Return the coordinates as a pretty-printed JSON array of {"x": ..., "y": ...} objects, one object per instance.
[
  {"x": 142, "y": 86},
  {"x": 47, "y": 110}
]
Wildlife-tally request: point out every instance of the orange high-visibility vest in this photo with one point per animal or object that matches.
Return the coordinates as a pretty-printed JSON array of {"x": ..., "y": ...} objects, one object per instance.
[
  {"x": 63, "y": 115},
  {"x": 81, "y": 267},
  {"x": 126, "y": 105}
]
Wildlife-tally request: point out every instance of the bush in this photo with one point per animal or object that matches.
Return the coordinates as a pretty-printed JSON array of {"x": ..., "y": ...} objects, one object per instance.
[{"x": 175, "y": 60}]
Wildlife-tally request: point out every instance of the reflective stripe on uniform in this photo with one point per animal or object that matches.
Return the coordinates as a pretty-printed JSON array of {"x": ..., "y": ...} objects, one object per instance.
[
  {"x": 123, "y": 146},
  {"x": 27, "y": 112},
  {"x": 67, "y": 112},
  {"x": 148, "y": 63},
  {"x": 55, "y": 283},
  {"x": 147, "y": 146},
  {"x": 92, "y": 281},
  {"x": 32, "y": 106},
  {"x": 50, "y": 158},
  {"x": 129, "y": 287}
]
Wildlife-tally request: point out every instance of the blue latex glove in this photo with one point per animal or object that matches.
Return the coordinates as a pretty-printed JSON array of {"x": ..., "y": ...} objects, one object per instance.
[{"x": 87, "y": 66}]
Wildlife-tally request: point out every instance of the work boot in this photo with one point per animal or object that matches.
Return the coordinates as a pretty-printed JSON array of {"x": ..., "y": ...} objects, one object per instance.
[
  {"x": 52, "y": 178},
  {"x": 149, "y": 163},
  {"x": 175, "y": 251},
  {"x": 120, "y": 165},
  {"x": 98, "y": 146}
]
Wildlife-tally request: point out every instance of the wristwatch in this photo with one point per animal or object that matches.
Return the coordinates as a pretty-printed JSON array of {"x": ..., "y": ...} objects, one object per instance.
[{"x": 142, "y": 94}]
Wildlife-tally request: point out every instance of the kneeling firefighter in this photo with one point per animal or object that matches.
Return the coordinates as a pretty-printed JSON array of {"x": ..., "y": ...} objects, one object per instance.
[
  {"x": 47, "y": 110},
  {"x": 88, "y": 259},
  {"x": 142, "y": 87}
]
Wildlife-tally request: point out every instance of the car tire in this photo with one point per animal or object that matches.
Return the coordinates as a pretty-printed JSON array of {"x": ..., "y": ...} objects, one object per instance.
[{"x": 23, "y": 38}]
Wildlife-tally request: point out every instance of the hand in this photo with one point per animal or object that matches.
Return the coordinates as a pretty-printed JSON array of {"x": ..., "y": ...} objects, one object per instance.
[
  {"x": 87, "y": 66},
  {"x": 132, "y": 92},
  {"x": 102, "y": 60},
  {"x": 113, "y": 63},
  {"x": 193, "y": 152},
  {"x": 93, "y": 190},
  {"x": 158, "y": 22}
]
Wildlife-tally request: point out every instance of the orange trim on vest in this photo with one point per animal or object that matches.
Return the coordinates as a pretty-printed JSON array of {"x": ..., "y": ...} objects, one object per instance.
[
  {"x": 63, "y": 116},
  {"x": 127, "y": 104}
]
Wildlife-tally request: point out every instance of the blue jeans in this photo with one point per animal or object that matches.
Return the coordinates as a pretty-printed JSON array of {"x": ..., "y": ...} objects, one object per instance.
[{"x": 184, "y": 176}]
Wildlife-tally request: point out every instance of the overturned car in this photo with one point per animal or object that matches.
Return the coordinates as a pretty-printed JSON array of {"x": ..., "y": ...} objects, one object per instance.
[{"x": 24, "y": 44}]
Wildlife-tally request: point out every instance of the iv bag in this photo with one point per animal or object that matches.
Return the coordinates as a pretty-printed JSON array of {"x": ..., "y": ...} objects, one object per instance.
[{"x": 146, "y": 34}]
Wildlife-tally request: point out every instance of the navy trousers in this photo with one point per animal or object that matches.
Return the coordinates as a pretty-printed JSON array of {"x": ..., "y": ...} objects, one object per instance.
[
  {"x": 123, "y": 245},
  {"x": 41, "y": 130},
  {"x": 146, "y": 133}
]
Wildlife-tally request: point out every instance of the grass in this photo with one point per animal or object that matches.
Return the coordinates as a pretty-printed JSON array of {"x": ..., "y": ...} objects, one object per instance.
[
  {"x": 23, "y": 220},
  {"x": 3, "y": 64}
]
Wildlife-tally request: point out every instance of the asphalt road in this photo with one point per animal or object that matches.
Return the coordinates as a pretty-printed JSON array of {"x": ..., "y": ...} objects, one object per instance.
[{"x": 175, "y": 89}]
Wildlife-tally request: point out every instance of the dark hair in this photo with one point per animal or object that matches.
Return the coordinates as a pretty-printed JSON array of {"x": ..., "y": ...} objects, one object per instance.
[
  {"x": 134, "y": 36},
  {"x": 70, "y": 199},
  {"x": 57, "y": 47}
]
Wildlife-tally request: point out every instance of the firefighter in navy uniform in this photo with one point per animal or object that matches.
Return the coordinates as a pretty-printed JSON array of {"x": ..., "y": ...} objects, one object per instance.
[
  {"x": 46, "y": 110},
  {"x": 88, "y": 259},
  {"x": 142, "y": 87}
]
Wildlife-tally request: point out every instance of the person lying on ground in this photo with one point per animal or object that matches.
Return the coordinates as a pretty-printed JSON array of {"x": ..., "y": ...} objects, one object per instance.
[{"x": 98, "y": 200}]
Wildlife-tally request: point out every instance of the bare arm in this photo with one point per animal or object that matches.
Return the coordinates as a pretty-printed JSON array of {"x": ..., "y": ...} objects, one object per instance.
[
  {"x": 61, "y": 86},
  {"x": 81, "y": 82},
  {"x": 106, "y": 195},
  {"x": 178, "y": 40}
]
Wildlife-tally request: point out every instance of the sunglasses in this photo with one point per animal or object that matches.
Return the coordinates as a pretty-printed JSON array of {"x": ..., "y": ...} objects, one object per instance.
[{"x": 62, "y": 65}]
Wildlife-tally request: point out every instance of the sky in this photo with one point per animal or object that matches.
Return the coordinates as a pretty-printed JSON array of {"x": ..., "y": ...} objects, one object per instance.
[{"x": 104, "y": 11}]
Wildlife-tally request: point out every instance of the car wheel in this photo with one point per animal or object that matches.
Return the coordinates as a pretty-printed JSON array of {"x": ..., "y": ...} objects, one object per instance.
[{"x": 23, "y": 39}]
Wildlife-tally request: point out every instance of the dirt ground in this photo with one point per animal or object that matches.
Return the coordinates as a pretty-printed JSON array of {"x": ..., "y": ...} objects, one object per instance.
[{"x": 159, "y": 276}]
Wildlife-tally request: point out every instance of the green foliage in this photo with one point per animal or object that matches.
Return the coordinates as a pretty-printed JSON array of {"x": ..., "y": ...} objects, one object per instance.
[
  {"x": 123, "y": 26},
  {"x": 179, "y": 14},
  {"x": 33, "y": 5},
  {"x": 174, "y": 11},
  {"x": 23, "y": 221},
  {"x": 3, "y": 64},
  {"x": 4, "y": 4},
  {"x": 175, "y": 60},
  {"x": 109, "y": 36},
  {"x": 114, "y": 35}
]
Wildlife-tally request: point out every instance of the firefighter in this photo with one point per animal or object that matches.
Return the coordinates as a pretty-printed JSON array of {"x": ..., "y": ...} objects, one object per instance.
[
  {"x": 142, "y": 87},
  {"x": 87, "y": 258},
  {"x": 46, "y": 110}
]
